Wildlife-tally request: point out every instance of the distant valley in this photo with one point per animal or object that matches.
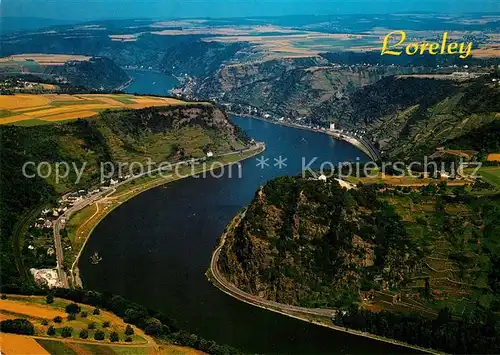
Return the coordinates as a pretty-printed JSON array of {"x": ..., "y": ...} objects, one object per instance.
[{"x": 358, "y": 254}]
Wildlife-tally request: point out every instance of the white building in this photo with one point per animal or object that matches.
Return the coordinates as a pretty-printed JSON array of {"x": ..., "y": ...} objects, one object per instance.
[
  {"x": 332, "y": 126},
  {"x": 46, "y": 277},
  {"x": 210, "y": 155}
]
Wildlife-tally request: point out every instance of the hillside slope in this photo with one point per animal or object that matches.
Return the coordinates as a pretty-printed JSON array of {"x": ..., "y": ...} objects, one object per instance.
[
  {"x": 408, "y": 117},
  {"x": 442, "y": 115},
  {"x": 97, "y": 73},
  {"x": 162, "y": 134},
  {"x": 69, "y": 72},
  {"x": 289, "y": 87},
  {"x": 66, "y": 322},
  {"x": 398, "y": 263},
  {"x": 309, "y": 243}
]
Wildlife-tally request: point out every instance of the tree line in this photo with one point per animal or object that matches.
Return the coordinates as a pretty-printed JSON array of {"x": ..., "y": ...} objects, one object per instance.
[
  {"x": 153, "y": 323},
  {"x": 475, "y": 333}
]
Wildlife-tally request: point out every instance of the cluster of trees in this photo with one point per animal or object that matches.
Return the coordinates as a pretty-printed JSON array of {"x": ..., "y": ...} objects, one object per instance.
[
  {"x": 67, "y": 332},
  {"x": 17, "y": 326},
  {"x": 152, "y": 322},
  {"x": 474, "y": 334},
  {"x": 73, "y": 309}
]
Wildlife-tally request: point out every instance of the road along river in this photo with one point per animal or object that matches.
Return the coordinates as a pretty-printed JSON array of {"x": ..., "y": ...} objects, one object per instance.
[{"x": 156, "y": 248}]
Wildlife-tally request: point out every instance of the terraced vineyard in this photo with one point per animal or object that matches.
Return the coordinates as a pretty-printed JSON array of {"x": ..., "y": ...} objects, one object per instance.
[
  {"x": 458, "y": 252},
  {"x": 25, "y": 109}
]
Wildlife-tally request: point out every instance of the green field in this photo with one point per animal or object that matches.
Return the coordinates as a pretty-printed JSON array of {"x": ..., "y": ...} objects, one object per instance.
[{"x": 490, "y": 174}]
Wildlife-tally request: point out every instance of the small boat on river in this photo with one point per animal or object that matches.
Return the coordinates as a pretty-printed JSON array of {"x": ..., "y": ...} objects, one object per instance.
[{"x": 95, "y": 259}]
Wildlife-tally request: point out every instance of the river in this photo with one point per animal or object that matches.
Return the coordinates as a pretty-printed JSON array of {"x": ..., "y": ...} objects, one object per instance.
[
  {"x": 149, "y": 82},
  {"x": 156, "y": 248}
]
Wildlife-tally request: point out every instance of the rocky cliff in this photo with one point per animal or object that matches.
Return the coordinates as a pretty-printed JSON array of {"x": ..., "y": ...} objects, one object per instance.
[{"x": 311, "y": 243}]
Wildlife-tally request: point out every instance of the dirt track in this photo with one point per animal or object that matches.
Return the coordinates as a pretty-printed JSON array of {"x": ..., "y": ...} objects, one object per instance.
[{"x": 37, "y": 311}]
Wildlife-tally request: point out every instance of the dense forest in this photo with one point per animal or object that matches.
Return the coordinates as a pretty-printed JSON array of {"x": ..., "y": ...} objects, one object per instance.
[
  {"x": 485, "y": 139},
  {"x": 475, "y": 334}
]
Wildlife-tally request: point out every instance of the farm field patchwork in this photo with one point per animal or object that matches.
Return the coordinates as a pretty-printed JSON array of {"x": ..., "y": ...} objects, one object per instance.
[
  {"x": 403, "y": 181},
  {"x": 12, "y": 344},
  {"x": 45, "y": 59},
  {"x": 42, "y": 315},
  {"x": 26, "y": 109},
  {"x": 36, "y": 311},
  {"x": 494, "y": 157}
]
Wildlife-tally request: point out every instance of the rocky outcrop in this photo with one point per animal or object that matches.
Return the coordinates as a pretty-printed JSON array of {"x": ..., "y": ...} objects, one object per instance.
[{"x": 312, "y": 243}]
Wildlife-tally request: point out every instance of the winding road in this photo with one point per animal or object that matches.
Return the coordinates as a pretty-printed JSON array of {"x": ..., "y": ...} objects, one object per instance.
[
  {"x": 98, "y": 197},
  {"x": 225, "y": 286},
  {"x": 232, "y": 290}
]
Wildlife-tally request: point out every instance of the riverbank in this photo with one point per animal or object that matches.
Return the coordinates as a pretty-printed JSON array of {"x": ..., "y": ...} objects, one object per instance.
[
  {"x": 125, "y": 85},
  {"x": 336, "y": 135},
  {"x": 122, "y": 194},
  {"x": 321, "y": 317}
]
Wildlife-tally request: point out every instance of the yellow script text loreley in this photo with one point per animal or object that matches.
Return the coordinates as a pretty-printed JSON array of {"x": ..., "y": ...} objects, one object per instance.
[{"x": 397, "y": 47}]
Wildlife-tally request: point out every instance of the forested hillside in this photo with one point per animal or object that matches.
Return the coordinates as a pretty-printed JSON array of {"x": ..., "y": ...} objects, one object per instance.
[
  {"x": 444, "y": 115},
  {"x": 199, "y": 58},
  {"x": 409, "y": 117},
  {"x": 97, "y": 73},
  {"x": 299, "y": 87},
  {"x": 170, "y": 53},
  {"x": 163, "y": 134},
  {"x": 419, "y": 266},
  {"x": 309, "y": 243},
  {"x": 390, "y": 95}
]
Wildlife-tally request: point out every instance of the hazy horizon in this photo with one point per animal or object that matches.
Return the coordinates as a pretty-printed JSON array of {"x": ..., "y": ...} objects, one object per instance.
[{"x": 81, "y": 10}]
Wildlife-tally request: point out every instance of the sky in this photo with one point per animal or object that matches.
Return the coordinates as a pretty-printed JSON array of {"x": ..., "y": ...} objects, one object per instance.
[{"x": 84, "y": 10}]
